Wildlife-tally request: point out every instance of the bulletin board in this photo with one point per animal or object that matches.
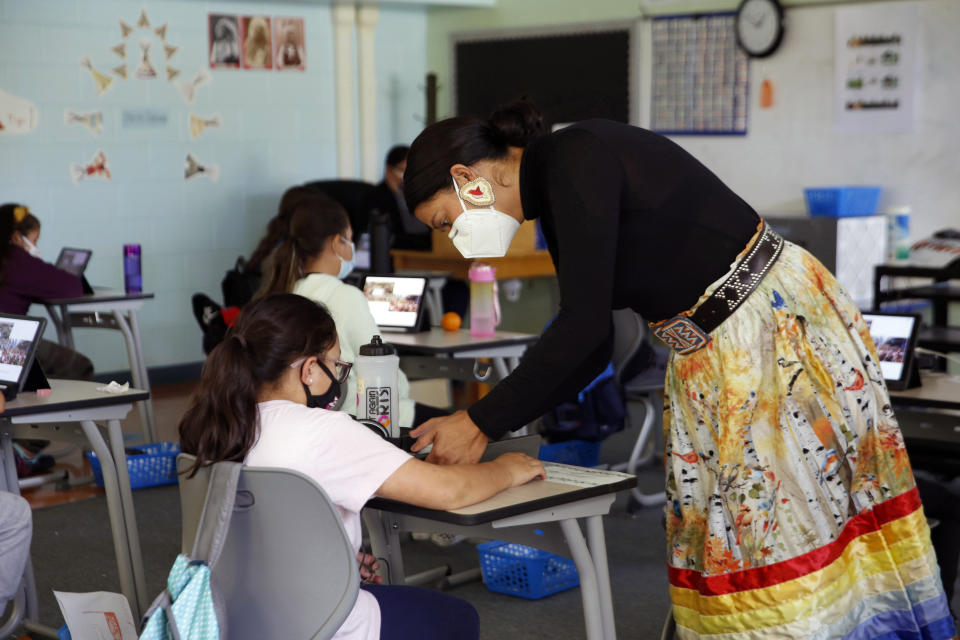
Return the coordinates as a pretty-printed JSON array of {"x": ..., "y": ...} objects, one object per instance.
[
  {"x": 700, "y": 76},
  {"x": 572, "y": 72}
]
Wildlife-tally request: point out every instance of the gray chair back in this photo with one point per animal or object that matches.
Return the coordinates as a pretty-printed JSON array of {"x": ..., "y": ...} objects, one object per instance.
[
  {"x": 629, "y": 330},
  {"x": 287, "y": 569}
]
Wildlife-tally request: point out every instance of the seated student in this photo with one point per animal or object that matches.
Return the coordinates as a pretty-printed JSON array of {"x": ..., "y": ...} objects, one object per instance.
[
  {"x": 314, "y": 258},
  {"x": 261, "y": 401},
  {"x": 28, "y": 234},
  {"x": 24, "y": 280},
  {"x": 16, "y": 527}
]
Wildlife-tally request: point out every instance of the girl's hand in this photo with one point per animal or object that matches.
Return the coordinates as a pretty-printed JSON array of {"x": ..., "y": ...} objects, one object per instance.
[
  {"x": 369, "y": 565},
  {"x": 522, "y": 468}
]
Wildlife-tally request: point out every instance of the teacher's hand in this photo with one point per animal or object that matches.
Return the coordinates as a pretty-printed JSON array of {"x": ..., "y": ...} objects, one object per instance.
[{"x": 455, "y": 438}]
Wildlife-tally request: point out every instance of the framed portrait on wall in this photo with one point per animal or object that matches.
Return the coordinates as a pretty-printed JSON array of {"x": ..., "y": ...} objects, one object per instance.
[
  {"x": 255, "y": 45},
  {"x": 289, "y": 49},
  {"x": 224, "y": 34}
]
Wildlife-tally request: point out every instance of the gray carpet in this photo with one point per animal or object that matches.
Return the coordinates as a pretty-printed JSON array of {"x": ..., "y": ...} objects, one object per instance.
[{"x": 72, "y": 551}]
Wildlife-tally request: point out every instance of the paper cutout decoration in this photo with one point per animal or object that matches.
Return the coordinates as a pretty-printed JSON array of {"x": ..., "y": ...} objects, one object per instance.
[
  {"x": 143, "y": 23},
  {"x": 145, "y": 70},
  {"x": 125, "y": 28},
  {"x": 102, "y": 80},
  {"x": 17, "y": 115},
  {"x": 172, "y": 73},
  {"x": 198, "y": 124},
  {"x": 96, "y": 168},
  {"x": 92, "y": 120},
  {"x": 189, "y": 88},
  {"x": 121, "y": 71},
  {"x": 169, "y": 50},
  {"x": 120, "y": 49},
  {"x": 194, "y": 169},
  {"x": 161, "y": 31}
]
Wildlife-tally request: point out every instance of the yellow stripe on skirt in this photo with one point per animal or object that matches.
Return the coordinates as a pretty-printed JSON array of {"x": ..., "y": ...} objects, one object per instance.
[{"x": 791, "y": 506}]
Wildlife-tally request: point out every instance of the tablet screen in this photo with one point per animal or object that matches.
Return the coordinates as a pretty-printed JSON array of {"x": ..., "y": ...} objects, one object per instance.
[
  {"x": 73, "y": 260},
  {"x": 16, "y": 339},
  {"x": 394, "y": 301},
  {"x": 891, "y": 334}
]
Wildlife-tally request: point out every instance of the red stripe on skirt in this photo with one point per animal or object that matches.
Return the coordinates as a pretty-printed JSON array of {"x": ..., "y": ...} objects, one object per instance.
[{"x": 759, "y": 577}]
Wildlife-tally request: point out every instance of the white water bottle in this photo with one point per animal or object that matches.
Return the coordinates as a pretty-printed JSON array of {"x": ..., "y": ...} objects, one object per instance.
[{"x": 378, "y": 368}]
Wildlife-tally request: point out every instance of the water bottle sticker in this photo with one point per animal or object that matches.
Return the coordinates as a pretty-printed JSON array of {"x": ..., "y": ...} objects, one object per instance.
[{"x": 378, "y": 404}]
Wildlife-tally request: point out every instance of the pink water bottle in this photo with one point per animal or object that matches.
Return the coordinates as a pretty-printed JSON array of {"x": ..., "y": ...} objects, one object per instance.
[{"x": 484, "y": 306}]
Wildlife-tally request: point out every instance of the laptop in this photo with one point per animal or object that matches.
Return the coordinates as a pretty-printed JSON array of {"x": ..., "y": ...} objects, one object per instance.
[
  {"x": 396, "y": 302},
  {"x": 75, "y": 261},
  {"x": 895, "y": 336},
  {"x": 19, "y": 340}
]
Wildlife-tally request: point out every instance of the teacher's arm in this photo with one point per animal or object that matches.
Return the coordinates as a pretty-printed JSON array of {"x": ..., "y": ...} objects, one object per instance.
[{"x": 583, "y": 187}]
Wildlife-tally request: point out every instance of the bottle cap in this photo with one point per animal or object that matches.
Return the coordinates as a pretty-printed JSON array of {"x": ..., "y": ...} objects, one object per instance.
[
  {"x": 377, "y": 347},
  {"x": 482, "y": 272}
]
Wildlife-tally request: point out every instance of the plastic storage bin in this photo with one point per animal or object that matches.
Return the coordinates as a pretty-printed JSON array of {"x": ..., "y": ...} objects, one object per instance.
[
  {"x": 153, "y": 465},
  {"x": 519, "y": 570},
  {"x": 581, "y": 453},
  {"x": 842, "y": 202}
]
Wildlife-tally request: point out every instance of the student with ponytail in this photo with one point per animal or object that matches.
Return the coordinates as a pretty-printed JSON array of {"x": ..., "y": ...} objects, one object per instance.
[
  {"x": 316, "y": 254},
  {"x": 790, "y": 499},
  {"x": 261, "y": 401}
]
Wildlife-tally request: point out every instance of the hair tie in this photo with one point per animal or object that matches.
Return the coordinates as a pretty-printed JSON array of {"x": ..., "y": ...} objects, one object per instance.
[{"x": 19, "y": 213}]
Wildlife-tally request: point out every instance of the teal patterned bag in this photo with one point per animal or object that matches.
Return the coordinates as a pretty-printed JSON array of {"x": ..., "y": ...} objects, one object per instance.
[{"x": 189, "y": 608}]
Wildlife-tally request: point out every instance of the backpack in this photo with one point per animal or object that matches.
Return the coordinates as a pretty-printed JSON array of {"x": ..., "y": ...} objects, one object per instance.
[
  {"x": 240, "y": 284},
  {"x": 190, "y": 608},
  {"x": 599, "y": 410}
]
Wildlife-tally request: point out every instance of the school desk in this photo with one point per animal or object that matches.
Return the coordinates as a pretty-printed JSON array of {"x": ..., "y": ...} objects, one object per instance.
[
  {"x": 70, "y": 413},
  {"x": 504, "y": 348},
  {"x": 109, "y": 309}
]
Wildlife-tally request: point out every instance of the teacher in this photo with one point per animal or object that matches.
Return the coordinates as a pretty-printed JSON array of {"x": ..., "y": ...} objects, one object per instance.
[{"x": 791, "y": 506}]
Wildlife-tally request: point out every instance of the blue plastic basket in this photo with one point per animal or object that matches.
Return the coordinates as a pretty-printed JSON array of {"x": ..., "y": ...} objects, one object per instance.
[
  {"x": 842, "y": 202},
  {"x": 155, "y": 465},
  {"x": 581, "y": 453},
  {"x": 519, "y": 570}
]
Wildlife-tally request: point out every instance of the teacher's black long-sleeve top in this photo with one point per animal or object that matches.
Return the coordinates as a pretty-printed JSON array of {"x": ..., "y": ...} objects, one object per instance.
[{"x": 631, "y": 220}]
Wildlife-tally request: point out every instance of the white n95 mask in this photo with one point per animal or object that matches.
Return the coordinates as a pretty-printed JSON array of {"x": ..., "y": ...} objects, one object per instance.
[{"x": 481, "y": 233}]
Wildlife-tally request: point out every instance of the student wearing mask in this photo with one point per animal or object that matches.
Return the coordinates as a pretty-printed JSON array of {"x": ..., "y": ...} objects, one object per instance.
[
  {"x": 24, "y": 280},
  {"x": 314, "y": 257},
  {"x": 260, "y": 402},
  {"x": 407, "y": 231},
  {"x": 790, "y": 498}
]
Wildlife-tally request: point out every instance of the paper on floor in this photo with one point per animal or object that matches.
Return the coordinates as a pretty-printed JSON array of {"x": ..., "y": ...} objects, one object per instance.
[{"x": 98, "y": 615}]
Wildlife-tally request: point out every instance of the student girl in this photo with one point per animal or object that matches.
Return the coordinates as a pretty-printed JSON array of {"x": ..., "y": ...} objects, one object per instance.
[
  {"x": 791, "y": 507},
  {"x": 25, "y": 279},
  {"x": 316, "y": 254},
  {"x": 261, "y": 401}
]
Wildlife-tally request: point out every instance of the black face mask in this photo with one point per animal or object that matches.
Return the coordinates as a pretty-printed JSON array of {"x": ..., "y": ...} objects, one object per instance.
[{"x": 327, "y": 398}]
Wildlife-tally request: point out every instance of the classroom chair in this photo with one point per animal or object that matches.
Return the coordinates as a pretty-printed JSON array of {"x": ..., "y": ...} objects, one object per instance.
[
  {"x": 629, "y": 335},
  {"x": 287, "y": 569}
]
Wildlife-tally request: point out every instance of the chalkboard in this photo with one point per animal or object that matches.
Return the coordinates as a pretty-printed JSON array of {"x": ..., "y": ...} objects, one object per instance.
[{"x": 571, "y": 75}]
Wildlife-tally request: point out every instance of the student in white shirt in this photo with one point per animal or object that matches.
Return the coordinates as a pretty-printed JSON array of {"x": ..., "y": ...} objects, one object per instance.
[
  {"x": 261, "y": 401},
  {"x": 313, "y": 258}
]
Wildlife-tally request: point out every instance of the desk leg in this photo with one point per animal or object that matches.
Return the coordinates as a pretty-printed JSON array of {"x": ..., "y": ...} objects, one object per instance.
[
  {"x": 129, "y": 517},
  {"x": 589, "y": 591},
  {"x": 598, "y": 550},
  {"x": 144, "y": 376},
  {"x": 121, "y": 545},
  {"x": 131, "y": 334},
  {"x": 385, "y": 544}
]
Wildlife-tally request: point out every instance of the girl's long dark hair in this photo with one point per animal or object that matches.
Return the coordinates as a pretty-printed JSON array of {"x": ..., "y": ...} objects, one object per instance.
[
  {"x": 277, "y": 227},
  {"x": 465, "y": 141},
  {"x": 8, "y": 224},
  {"x": 221, "y": 423},
  {"x": 315, "y": 219}
]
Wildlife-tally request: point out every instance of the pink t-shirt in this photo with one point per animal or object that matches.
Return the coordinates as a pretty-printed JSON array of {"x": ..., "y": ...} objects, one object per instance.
[{"x": 348, "y": 460}]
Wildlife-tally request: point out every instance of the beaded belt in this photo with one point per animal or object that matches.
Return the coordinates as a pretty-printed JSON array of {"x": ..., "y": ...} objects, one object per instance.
[{"x": 686, "y": 334}]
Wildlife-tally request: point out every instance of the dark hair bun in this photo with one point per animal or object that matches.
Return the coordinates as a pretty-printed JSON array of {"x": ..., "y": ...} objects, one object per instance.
[{"x": 518, "y": 121}]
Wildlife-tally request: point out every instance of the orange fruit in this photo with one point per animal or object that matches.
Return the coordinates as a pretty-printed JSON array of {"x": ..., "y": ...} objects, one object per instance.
[{"x": 450, "y": 321}]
